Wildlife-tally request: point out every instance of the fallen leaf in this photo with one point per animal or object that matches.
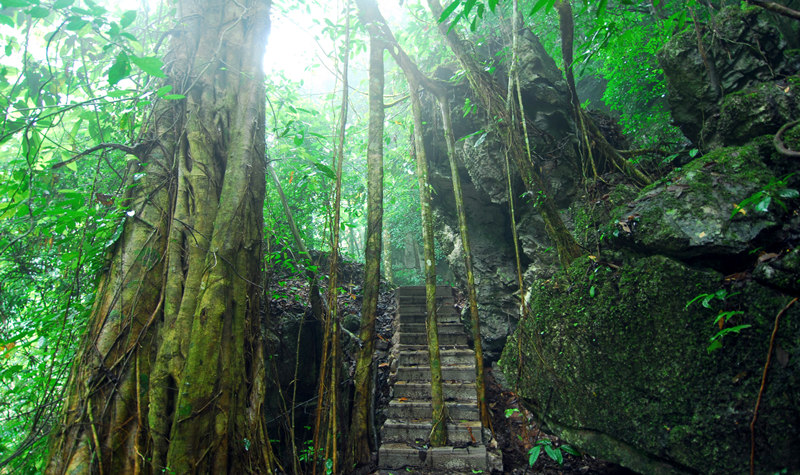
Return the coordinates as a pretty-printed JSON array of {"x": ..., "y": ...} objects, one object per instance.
[
  {"x": 402, "y": 399},
  {"x": 767, "y": 256}
]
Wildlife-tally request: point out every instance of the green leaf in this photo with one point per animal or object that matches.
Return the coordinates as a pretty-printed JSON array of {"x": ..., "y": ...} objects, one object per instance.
[
  {"x": 591, "y": 291},
  {"x": 534, "y": 455},
  {"x": 39, "y": 12},
  {"x": 150, "y": 65},
  {"x": 468, "y": 6},
  {"x": 449, "y": 10},
  {"x": 492, "y": 4},
  {"x": 328, "y": 171},
  {"x": 541, "y": 4},
  {"x": 76, "y": 24},
  {"x": 570, "y": 450},
  {"x": 120, "y": 69},
  {"x": 601, "y": 8},
  {"x": 553, "y": 453},
  {"x": 63, "y": 3},
  {"x": 127, "y": 18},
  {"x": 6, "y": 20},
  {"x": 174, "y": 97},
  {"x": 788, "y": 193},
  {"x": 14, "y": 3},
  {"x": 763, "y": 205},
  {"x": 715, "y": 345}
]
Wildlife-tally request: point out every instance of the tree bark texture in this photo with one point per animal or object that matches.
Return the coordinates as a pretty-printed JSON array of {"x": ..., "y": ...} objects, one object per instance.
[
  {"x": 360, "y": 429},
  {"x": 438, "y": 436},
  {"x": 170, "y": 374}
]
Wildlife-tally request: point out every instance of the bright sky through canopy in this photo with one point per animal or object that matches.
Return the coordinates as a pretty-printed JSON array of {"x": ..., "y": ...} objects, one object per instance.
[{"x": 293, "y": 48}]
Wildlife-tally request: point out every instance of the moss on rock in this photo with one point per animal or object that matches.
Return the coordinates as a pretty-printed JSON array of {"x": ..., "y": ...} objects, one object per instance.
[{"x": 614, "y": 361}]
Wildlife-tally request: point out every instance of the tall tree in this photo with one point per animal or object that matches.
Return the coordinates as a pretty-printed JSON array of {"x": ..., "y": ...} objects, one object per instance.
[
  {"x": 170, "y": 374},
  {"x": 360, "y": 429}
]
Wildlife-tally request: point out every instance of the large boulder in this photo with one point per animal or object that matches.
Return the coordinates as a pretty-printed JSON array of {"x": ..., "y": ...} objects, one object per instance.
[
  {"x": 745, "y": 49},
  {"x": 707, "y": 209},
  {"x": 616, "y": 363},
  {"x": 650, "y": 353}
]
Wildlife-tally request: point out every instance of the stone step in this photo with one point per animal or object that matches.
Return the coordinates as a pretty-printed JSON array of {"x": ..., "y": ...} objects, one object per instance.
[
  {"x": 421, "y": 409},
  {"x": 405, "y": 310},
  {"x": 466, "y": 459},
  {"x": 421, "y": 318},
  {"x": 415, "y": 291},
  {"x": 445, "y": 339},
  {"x": 460, "y": 356},
  {"x": 449, "y": 373},
  {"x": 413, "y": 430},
  {"x": 444, "y": 327},
  {"x": 406, "y": 347},
  {"x": 422, "y": 390}
]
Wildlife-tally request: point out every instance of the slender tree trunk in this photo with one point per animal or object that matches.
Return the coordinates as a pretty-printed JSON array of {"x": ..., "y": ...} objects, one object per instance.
[
  {"x": 360, "y": 430},
  {"x": 170, "y": 375},
  {"x": 439, "y": 430},
  {"x": 473, "y": 297},
  {"x": 331, "y": 395}
]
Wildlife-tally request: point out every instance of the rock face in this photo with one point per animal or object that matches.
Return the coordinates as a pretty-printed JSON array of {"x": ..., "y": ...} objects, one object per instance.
[
  {"x": 618, "y": 362},
  {"x": 748, "y": 57},
  {"x": 484, "y": 181}
]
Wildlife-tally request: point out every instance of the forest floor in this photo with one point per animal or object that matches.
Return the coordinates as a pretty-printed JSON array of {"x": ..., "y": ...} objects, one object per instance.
[{"x": 515, "y": 429}]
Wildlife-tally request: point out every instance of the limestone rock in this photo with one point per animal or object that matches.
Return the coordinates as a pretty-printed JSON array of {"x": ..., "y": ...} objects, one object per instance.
[
  {"x": 617, "y": 364},
  {"x": 745, "y": 49}
]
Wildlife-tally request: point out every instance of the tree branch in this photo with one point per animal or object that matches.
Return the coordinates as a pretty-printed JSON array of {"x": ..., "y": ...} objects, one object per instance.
[
  {"x": 776, "y": 8},
  {"x": 114, "y": 146}
]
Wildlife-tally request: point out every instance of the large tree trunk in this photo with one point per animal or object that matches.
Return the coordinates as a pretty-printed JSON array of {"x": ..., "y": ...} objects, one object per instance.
[{"x": 170, "y": 375}]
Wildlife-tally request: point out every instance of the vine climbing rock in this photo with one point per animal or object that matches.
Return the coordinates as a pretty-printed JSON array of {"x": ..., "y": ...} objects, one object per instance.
[{"x": 406, "y": 430}]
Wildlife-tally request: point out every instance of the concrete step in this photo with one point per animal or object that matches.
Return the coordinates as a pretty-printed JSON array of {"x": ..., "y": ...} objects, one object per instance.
[
  {"x": 420, "y": 319},
  {"x": 406, "y": 347},
  {"x": 449, "y": 373},
  {"x": 422, "y": 390},
  {"x": 419, "y": 290},
  {"x": 421, "y": 409},
  {"x": 445, "y": 339},
  {"x": 444, "y": 327},
  {"x": 461, "y": 356},
  {"x": 399, "y": 455},
  {"x": 413, "y": 430},
  {"x": 444, "y": 308}
]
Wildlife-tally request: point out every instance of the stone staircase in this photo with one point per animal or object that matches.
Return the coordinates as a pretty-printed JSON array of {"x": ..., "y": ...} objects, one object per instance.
[{"x": 407, "y": 428}]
